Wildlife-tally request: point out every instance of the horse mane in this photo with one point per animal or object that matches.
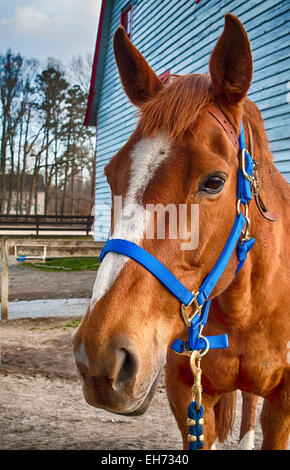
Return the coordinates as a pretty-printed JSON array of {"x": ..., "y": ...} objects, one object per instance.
[{"x": 253, "y": 120}]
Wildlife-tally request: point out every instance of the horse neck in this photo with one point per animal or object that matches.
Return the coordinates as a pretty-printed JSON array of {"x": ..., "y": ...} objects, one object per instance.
[{"x": 262, "y": 282}]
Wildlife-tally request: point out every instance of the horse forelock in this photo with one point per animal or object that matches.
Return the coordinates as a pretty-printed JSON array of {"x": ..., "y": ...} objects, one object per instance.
[{"x": 176, "y": 108}]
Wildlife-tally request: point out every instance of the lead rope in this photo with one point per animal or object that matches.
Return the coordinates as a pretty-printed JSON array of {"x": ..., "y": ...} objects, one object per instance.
[{"x": 195, "y": 409}]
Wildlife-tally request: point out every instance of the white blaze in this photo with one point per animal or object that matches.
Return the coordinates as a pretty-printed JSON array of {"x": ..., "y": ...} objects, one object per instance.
[
  {"x": 146, "y": 157},
  {"x": 247, "y": 441}
]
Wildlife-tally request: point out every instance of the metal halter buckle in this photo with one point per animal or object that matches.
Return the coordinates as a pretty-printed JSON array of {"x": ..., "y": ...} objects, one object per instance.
[
  {"x": 184, "y": 309},
  {"x": 205, "y": 350},
  {"x": 245, "y": 234},
  {"x": 251, "y": 179}
]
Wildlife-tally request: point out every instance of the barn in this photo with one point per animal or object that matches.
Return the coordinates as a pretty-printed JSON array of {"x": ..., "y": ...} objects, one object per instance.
[{"x": 177, "y": 37}]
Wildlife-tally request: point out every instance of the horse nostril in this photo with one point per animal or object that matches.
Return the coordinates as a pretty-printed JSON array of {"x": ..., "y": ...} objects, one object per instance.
[
  {"x": 115, "y": 369},
  {"x": 127, "y": 367}
]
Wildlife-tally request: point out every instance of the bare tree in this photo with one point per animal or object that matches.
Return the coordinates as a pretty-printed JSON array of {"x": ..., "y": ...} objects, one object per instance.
[
  {"x": 51, "y": 86},
  {"x": 10, "y": 89},
  {"x": 42, "y": 135},
  {"x": 79, "y": 71}
]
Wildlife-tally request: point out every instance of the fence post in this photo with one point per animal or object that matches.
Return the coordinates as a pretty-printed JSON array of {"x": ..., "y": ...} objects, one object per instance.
[{"x": 4, "y": 280}]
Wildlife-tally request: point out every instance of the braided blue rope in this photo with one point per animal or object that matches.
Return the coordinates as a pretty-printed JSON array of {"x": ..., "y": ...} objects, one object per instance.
[{"x": 196, "y": 429}]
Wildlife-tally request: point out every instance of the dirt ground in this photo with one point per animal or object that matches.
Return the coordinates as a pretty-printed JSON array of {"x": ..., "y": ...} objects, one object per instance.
[
  {"x": 41, "y": 401},
  {"x": 31, "y": 284},
  {"x": 42, "y": 407}
]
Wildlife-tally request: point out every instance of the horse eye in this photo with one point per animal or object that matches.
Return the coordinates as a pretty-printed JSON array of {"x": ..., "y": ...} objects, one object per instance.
[{"x": 213, "y": 185}]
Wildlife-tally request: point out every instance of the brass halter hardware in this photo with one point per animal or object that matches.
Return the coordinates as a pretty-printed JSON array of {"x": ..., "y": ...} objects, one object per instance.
[
  {"x": 251, "y": 179},
  {"x": 184, "y": 310},
  {"x": 196, "y": 389}
]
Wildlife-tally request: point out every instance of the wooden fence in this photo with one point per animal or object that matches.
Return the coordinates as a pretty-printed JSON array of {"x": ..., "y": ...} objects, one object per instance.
[{"x": 53, "y": 223}]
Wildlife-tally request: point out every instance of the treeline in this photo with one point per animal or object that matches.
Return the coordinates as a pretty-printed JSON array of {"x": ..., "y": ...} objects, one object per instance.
[{"x": 46, "y": 152}]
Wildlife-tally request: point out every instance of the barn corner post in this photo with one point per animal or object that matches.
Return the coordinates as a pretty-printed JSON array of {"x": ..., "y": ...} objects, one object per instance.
[{"x": 4, "y": 280}]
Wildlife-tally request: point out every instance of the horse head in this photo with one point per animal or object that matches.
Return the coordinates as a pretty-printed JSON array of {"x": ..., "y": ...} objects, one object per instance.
[{"x": 179, "y": 157}]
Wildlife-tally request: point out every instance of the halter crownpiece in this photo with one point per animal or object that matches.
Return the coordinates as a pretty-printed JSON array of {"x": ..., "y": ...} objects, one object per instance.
[
  {"x": 198, "y": 301},
  {"x": 216, "y": 112}
]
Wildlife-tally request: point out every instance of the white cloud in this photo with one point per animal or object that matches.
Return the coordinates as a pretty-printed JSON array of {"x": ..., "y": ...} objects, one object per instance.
[
  {"x": 28, "y": 19},
  {"x": 62, "y": 28}
]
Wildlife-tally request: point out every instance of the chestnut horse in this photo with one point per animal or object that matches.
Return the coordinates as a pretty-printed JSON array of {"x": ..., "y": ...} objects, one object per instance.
[{"x": 180, "y": 153}]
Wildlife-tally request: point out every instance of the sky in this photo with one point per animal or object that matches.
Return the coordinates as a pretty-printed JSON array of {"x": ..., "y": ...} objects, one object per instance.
[{"x": 49, "y": 28}]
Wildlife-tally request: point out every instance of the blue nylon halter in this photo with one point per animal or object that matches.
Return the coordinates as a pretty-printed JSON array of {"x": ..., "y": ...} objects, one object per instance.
[{"x": 184, "y": 295}]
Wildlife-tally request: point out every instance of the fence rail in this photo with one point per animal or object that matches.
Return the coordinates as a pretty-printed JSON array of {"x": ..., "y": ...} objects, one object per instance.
[{"x": 46, "y": 222}]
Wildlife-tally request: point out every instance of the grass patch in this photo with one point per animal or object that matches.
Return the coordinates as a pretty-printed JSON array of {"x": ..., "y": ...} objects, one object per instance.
[
  {"x": 73, "y": 324},
  {"x": 66, "y": 264}
]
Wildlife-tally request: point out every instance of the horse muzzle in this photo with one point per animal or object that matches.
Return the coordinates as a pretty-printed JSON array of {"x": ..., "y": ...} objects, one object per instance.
[{"x": 115, "y": 381}]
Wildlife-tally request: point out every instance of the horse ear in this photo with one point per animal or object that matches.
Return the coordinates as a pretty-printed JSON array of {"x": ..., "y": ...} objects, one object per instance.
[
  {"x": 231, "y": 63},
  {"x": 138, "y": 79}
]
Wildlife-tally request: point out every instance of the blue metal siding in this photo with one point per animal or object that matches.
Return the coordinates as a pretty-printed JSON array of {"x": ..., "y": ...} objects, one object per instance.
[{"x": 179, "y": 35}]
